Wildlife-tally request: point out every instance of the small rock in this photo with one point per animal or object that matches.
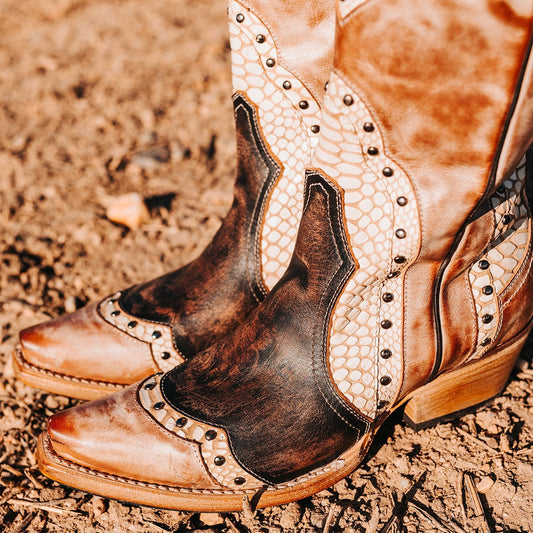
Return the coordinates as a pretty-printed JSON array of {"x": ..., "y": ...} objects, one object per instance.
[
  {"x": 290, "y": 516},
  {"x": 151, "y": 158},
  {"x": 211, "y": 519},
  {"x": 128, "y": 210},
  {"x": 99, "y": 506},
  {"x": 70, "y": 304},
  {"x": 485, "y": 484},
  {"x": 51, "y": 402}
]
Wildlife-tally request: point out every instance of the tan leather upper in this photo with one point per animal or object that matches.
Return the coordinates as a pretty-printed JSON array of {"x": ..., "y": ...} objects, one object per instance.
[
  {"x": 115, "y": 435},
  {"x": 303, "y": 33},
  {"x": 441, "y": 79},
  {"x": 84, "y": 345}
]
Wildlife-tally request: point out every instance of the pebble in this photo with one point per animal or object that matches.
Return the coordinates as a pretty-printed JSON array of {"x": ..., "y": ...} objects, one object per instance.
[
  {"x": 291, "y": 516},
  {"x": 128, "y": 210},
  {"x": 211, "y": 519},
  {"x": 485, "y": 484}
]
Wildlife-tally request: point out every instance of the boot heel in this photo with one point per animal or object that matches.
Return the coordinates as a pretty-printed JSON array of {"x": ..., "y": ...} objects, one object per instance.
[{"x": 459, "y": 391}]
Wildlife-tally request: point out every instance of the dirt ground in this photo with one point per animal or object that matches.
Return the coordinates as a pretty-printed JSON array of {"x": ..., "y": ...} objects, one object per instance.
[{"x": 102, "y": 98}]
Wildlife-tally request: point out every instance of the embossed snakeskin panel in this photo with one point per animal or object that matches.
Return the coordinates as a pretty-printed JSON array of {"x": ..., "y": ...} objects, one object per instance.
[
  {"x": 382, "y": 221},
  {"x": 159, "y": 336},
  {"x": 289, "y": 117},
  {"x": 491, "y": 275}
]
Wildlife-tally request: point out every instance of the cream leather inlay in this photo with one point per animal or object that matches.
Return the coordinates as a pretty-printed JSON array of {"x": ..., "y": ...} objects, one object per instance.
[
  {"x": 159, "y": 336},
  {"x": 351, "y": 152},
  {"x": 286, "y": 127}
]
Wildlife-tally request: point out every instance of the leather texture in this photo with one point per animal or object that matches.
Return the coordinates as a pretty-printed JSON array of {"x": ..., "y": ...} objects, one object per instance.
[
  {"x": 267, "y": 384},
  {"x": 280, "y": 61},
  {"x": 115, "y": 435},
  {"x": 414, "y": 249},
  {"x": 56, "y": 346}
]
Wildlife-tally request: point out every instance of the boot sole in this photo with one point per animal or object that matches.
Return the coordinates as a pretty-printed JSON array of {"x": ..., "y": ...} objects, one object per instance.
[
  {"x": 55, "y": 383},
  {"x": 449, "y": 394}
]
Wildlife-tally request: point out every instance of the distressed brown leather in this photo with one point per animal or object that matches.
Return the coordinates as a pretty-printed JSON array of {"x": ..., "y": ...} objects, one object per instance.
[
  {"x": 79, "y": 344},
  {"x": 267, "y": 384},
  {"x": 107, "y": 435},
  {"x": 208, "y": 297}
]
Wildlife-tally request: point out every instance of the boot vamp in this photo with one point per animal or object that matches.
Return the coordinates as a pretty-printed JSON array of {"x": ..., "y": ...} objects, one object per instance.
[
  {"x": 83, "y": 344},
  {"x": 116, "y": 436}
]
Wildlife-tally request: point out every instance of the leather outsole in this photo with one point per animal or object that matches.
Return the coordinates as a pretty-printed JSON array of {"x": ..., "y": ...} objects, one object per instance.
[{"x": 56, "y": 383}]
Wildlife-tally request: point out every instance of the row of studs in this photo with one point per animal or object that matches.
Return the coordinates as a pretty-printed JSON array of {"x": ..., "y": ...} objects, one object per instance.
[
  {"x": 259, "y": 35},
  {"x": 158, "y": 336},
  {"x": 288, "y": 116},
  {"x": 213, "y": 442},
  {"x": 405, "y": 244},
  {"x": 512, "y": 221}
]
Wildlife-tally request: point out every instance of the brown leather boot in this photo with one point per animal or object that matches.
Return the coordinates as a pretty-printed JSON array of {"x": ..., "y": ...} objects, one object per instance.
[
  {"x": 410, "y": 282},
  {"x": 282, "y": 57}
]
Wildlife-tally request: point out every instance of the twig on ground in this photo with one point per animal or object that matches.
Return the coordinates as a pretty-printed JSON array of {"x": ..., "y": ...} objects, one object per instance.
[
  {"x": 20, "y": 528},
  {"x": 479, "y": 511},
  {"x": 42, "y": 506},
  {"x": 333, "y": 511},
  {"x": 435, "y": 521}
]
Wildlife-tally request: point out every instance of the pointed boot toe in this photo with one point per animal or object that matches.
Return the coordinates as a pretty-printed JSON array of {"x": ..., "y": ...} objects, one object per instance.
[{"x": 82, "y": 355}]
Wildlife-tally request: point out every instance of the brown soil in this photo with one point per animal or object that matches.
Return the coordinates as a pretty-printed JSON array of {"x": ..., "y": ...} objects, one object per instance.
[{"x": 85, "y": 89}]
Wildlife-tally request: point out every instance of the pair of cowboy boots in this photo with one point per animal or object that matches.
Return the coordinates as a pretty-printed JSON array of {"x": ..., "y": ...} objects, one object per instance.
[{"x": 266, "y": 375}]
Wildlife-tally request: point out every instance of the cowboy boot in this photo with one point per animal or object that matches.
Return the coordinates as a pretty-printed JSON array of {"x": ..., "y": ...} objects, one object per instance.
[
  {"x": 281, "y": 56},
  {"x": 410, "y": 282}
]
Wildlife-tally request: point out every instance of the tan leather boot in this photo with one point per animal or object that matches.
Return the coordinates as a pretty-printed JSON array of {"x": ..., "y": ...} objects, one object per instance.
[
  {"x": 410, "y": 282},
  {"x": 282, "y": 57}
]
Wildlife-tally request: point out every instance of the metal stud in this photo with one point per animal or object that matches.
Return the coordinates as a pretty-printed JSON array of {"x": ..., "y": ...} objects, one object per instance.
[
  {"x": 159, "y": 405},
  {"x": 368, "y": 127},
  {"x": 219, "y": 460},
  {"x": 111, "y": 302},
  {"x": 487, "y": 319},
  {"x": 260, "y": 38},
  {"x": 132, "y": 324},
  {"x": 388, "y": 172},
  {"x": 156, "y": 334},
  {"x": 239, "y": 17},
  {"x": 115, "y": 313},
  {"x": 385, "y": 380},
  {"x": 500, "y": 189},
  {"x": 400, "y": 259},
  {"x": 150, "y": 386},
  {"x": 372, "y": 150},
  {"x": 239, "y": 481},
  {"x": 386, "y": 324},
  {"x": 270, "y": 62},
  {"x": 348, "y": 99},
  {"x": 315, "y": 128},
  {"x": 165, "y": 355},
  {"x": 401, "y": 200},
  {"x": 486, "y": 342},
  {"x": 388, "y": 297},
  {"x": 488, "y": 290},
  {"x": 484, "y": 264},
  {"x": 304, "y": 104},
  {"x": 210, "y": 434},
  {"x": 382, "y": 404},
  {"x": 181, "y": 422},
  {"x": 287, "y": 85},
  {"x": 393, "y": 274},
  {"x": 326, "y": 86},
  {"x": 400, "y": 233},
  {"x": 385, "y": 354},
  {"x": 506, "y": 219}
]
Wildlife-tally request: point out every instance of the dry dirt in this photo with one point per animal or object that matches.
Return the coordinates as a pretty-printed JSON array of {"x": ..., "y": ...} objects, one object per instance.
[{"x": 86, "y": 89}]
